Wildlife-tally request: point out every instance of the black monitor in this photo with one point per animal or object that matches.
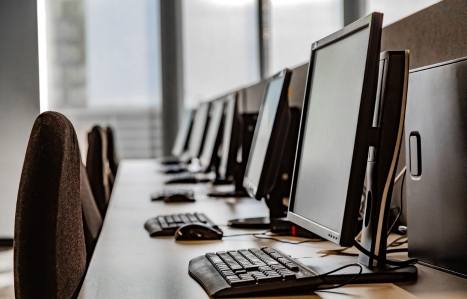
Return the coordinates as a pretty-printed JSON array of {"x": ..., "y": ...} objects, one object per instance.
[
  {"x": 268, "y": 144},
  {"x": 345, "y": 135},
  {"x": 183, "y": 135},
  {"x": 209, "y": 156},
  {"x": 198, "y": 132},
  {"x": 230, "y": 138}
]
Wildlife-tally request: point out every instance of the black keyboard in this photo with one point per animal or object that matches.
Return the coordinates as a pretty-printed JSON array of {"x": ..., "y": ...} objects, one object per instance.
[
  {"x": 167, "y": 225},
  {"x": 166, "y": 193},
  {"x": 251, "y": 271},
  {"x": 186, "y": 178}
]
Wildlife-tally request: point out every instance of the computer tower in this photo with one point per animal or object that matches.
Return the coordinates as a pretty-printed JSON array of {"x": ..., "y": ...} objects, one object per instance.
[{"x": 436, "y": 147}]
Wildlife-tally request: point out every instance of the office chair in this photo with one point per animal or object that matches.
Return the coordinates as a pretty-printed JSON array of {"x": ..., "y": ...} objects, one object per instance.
[
  {"x": 92, "y": 219},
  {"x": 50, "y": 247},
  {"x": 98, "y": 170},
  {"x": 112, "y": 152}
]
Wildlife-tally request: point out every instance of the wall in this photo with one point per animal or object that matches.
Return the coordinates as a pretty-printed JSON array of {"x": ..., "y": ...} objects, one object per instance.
[
  {"x": 19, "y": 98},
  {"x": 435, "y": 34}
]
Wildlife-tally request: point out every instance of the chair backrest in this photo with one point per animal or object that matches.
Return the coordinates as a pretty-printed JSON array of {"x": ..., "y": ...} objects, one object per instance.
[
  {"x": 50, "y": 250},
  {"x": 97, "y": 167},
  {"x": 92, "y": 219},
  {"x": 112, "y": 151}
]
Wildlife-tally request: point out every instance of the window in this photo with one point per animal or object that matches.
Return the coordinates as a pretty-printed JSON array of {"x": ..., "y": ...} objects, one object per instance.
[{"x": 220, "y": 47}]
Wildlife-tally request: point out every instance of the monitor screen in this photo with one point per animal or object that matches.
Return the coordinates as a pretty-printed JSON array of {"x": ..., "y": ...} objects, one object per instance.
[
  {"x": 336, "y": 92},
  {"x": 227, "y": 143},
  {"x": 183, "y": 133},
  {"x": 209, "y": 148},
  {"x": 197, "y": 132},
  {"x": 262, "y": 135}
]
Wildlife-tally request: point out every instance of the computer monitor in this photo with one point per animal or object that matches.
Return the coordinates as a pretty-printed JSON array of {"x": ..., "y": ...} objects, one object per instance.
[
  {"x": 336, "y": 120},
  {"x": 183, "y": 135},
  {"x": 347, "y": 132},
  {"x": 209, "y": 156},
  {"x": 268, "y": 144},
  {"x": 198, "y": 133},
  {"x": 230, "y": 138}
]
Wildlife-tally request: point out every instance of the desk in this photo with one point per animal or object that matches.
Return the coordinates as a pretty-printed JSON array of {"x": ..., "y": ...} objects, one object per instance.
[{"x": 127, "y": 263}]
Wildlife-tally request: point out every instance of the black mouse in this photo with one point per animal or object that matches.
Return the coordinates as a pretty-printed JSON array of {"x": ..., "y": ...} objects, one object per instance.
[
  {"x": 178, "y": 198},
  {"x": 197, "y": 231}
]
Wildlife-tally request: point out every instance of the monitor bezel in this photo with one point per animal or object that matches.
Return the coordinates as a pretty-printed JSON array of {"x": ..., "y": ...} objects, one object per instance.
[
  {"x": 185, "y": 134},
  {"x": 207, "y": 164},
  {"x": 199, "y": 150},
  {"x": 227, "y": 162},
  {"x": 367, "y": 104},
  {"x": 276, "y": 145}
]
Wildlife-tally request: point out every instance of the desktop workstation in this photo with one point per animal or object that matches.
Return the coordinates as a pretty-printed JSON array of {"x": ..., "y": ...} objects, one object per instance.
[
  {"x": 376, "y": 99},
  {"x": 347, "y": 139}
]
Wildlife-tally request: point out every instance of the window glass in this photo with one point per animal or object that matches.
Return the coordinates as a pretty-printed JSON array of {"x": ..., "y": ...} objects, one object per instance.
[
  {"x": 295, "y": 25},
  {"x": 220, "y": 47}
]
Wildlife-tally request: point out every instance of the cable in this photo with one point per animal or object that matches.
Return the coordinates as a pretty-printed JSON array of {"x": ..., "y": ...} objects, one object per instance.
[
  {"x": 397, "y": 250},
  {"x": 271, "y": 237},
  {"x": 397, "y": 242},
  {"x": 249, "y": 234},
  {"x": 384, "y": 260},
  {"x": 344, "y": 283},
  {"x": 401, "y": 174}
]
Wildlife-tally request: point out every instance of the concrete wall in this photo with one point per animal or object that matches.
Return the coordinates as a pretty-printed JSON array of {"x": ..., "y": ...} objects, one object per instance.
[{"x": 19, "y": 98}]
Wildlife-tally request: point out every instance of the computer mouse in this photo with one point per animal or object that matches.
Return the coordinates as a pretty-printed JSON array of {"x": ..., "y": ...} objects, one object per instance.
[
  {"x": 178, "y": 198},
  {"x": 197, "y": 231}
]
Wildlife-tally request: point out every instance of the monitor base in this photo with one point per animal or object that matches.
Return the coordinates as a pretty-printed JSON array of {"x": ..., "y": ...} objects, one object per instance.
[
  {"x": 218, "y": 182},
  {"x": 253, "y": 223},
  {"x": 240, "y": 193},
  {"x": 387, "y": 274}
]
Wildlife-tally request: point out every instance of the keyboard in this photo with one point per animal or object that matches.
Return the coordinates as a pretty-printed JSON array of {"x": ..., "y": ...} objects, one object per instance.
[
  {"x": 186, "y": 178},
  {"x": 252, "y": 271},
  {"x": 166, "y": 193},
  {"x": 167, "y": 225}
]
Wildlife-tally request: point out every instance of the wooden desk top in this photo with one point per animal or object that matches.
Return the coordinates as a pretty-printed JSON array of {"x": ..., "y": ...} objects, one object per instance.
[{"x": 127, "y": 263}]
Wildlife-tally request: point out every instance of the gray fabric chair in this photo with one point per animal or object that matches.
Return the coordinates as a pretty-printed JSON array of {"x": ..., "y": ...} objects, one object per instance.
[
  {"x": 50, "y": 246},
  {"x": 98, "y": 169}
]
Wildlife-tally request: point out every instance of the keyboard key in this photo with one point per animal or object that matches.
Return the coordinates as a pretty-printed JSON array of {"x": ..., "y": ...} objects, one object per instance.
[
  {"x": 177, "y": 219},
  {"x": 201, "y": 218},
  {"x": 242, "y": 282},
  {"x": 192, "y": 218},
  {"x": 161, "y": 220},
  {"x": 169, "y": 219},
  {"x": 184, "y": 218}
]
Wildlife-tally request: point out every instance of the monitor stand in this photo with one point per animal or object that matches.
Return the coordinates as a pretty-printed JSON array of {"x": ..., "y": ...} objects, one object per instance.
[{"x": 277, "y": 200}]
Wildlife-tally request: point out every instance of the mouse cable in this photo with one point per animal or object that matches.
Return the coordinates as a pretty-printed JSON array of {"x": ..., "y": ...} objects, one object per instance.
[
  {"x": 344, "y": 283},
  {"x": 384, "y": 260},
  {"x": 273, "y": 237},
  {"x": 248, "y": 234},
  {"x": 399, "y": 176},
  {"x": 398, "y": 242}
]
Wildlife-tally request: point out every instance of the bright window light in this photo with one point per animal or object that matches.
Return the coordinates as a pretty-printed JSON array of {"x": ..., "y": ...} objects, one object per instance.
[{"x": 42, "y": 42}]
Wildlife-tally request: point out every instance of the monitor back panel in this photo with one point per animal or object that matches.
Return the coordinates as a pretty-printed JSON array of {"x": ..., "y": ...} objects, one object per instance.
[{"x": 436, "y": 147}]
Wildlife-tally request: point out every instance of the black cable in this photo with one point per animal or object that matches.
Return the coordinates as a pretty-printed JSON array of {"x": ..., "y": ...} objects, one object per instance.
[
  {"x": 397, "y": 250},
  {"x": 344, "y": 283},
  {"x": 384, "y": 260},
  {"x": 249, "y": 234},
  {"x": 401, "y": 202},
  {"x": 269, "y": 237}
]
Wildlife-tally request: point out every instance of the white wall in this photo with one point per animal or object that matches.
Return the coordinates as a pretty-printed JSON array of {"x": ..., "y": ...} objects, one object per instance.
[{"x": 19, "y": 98}]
